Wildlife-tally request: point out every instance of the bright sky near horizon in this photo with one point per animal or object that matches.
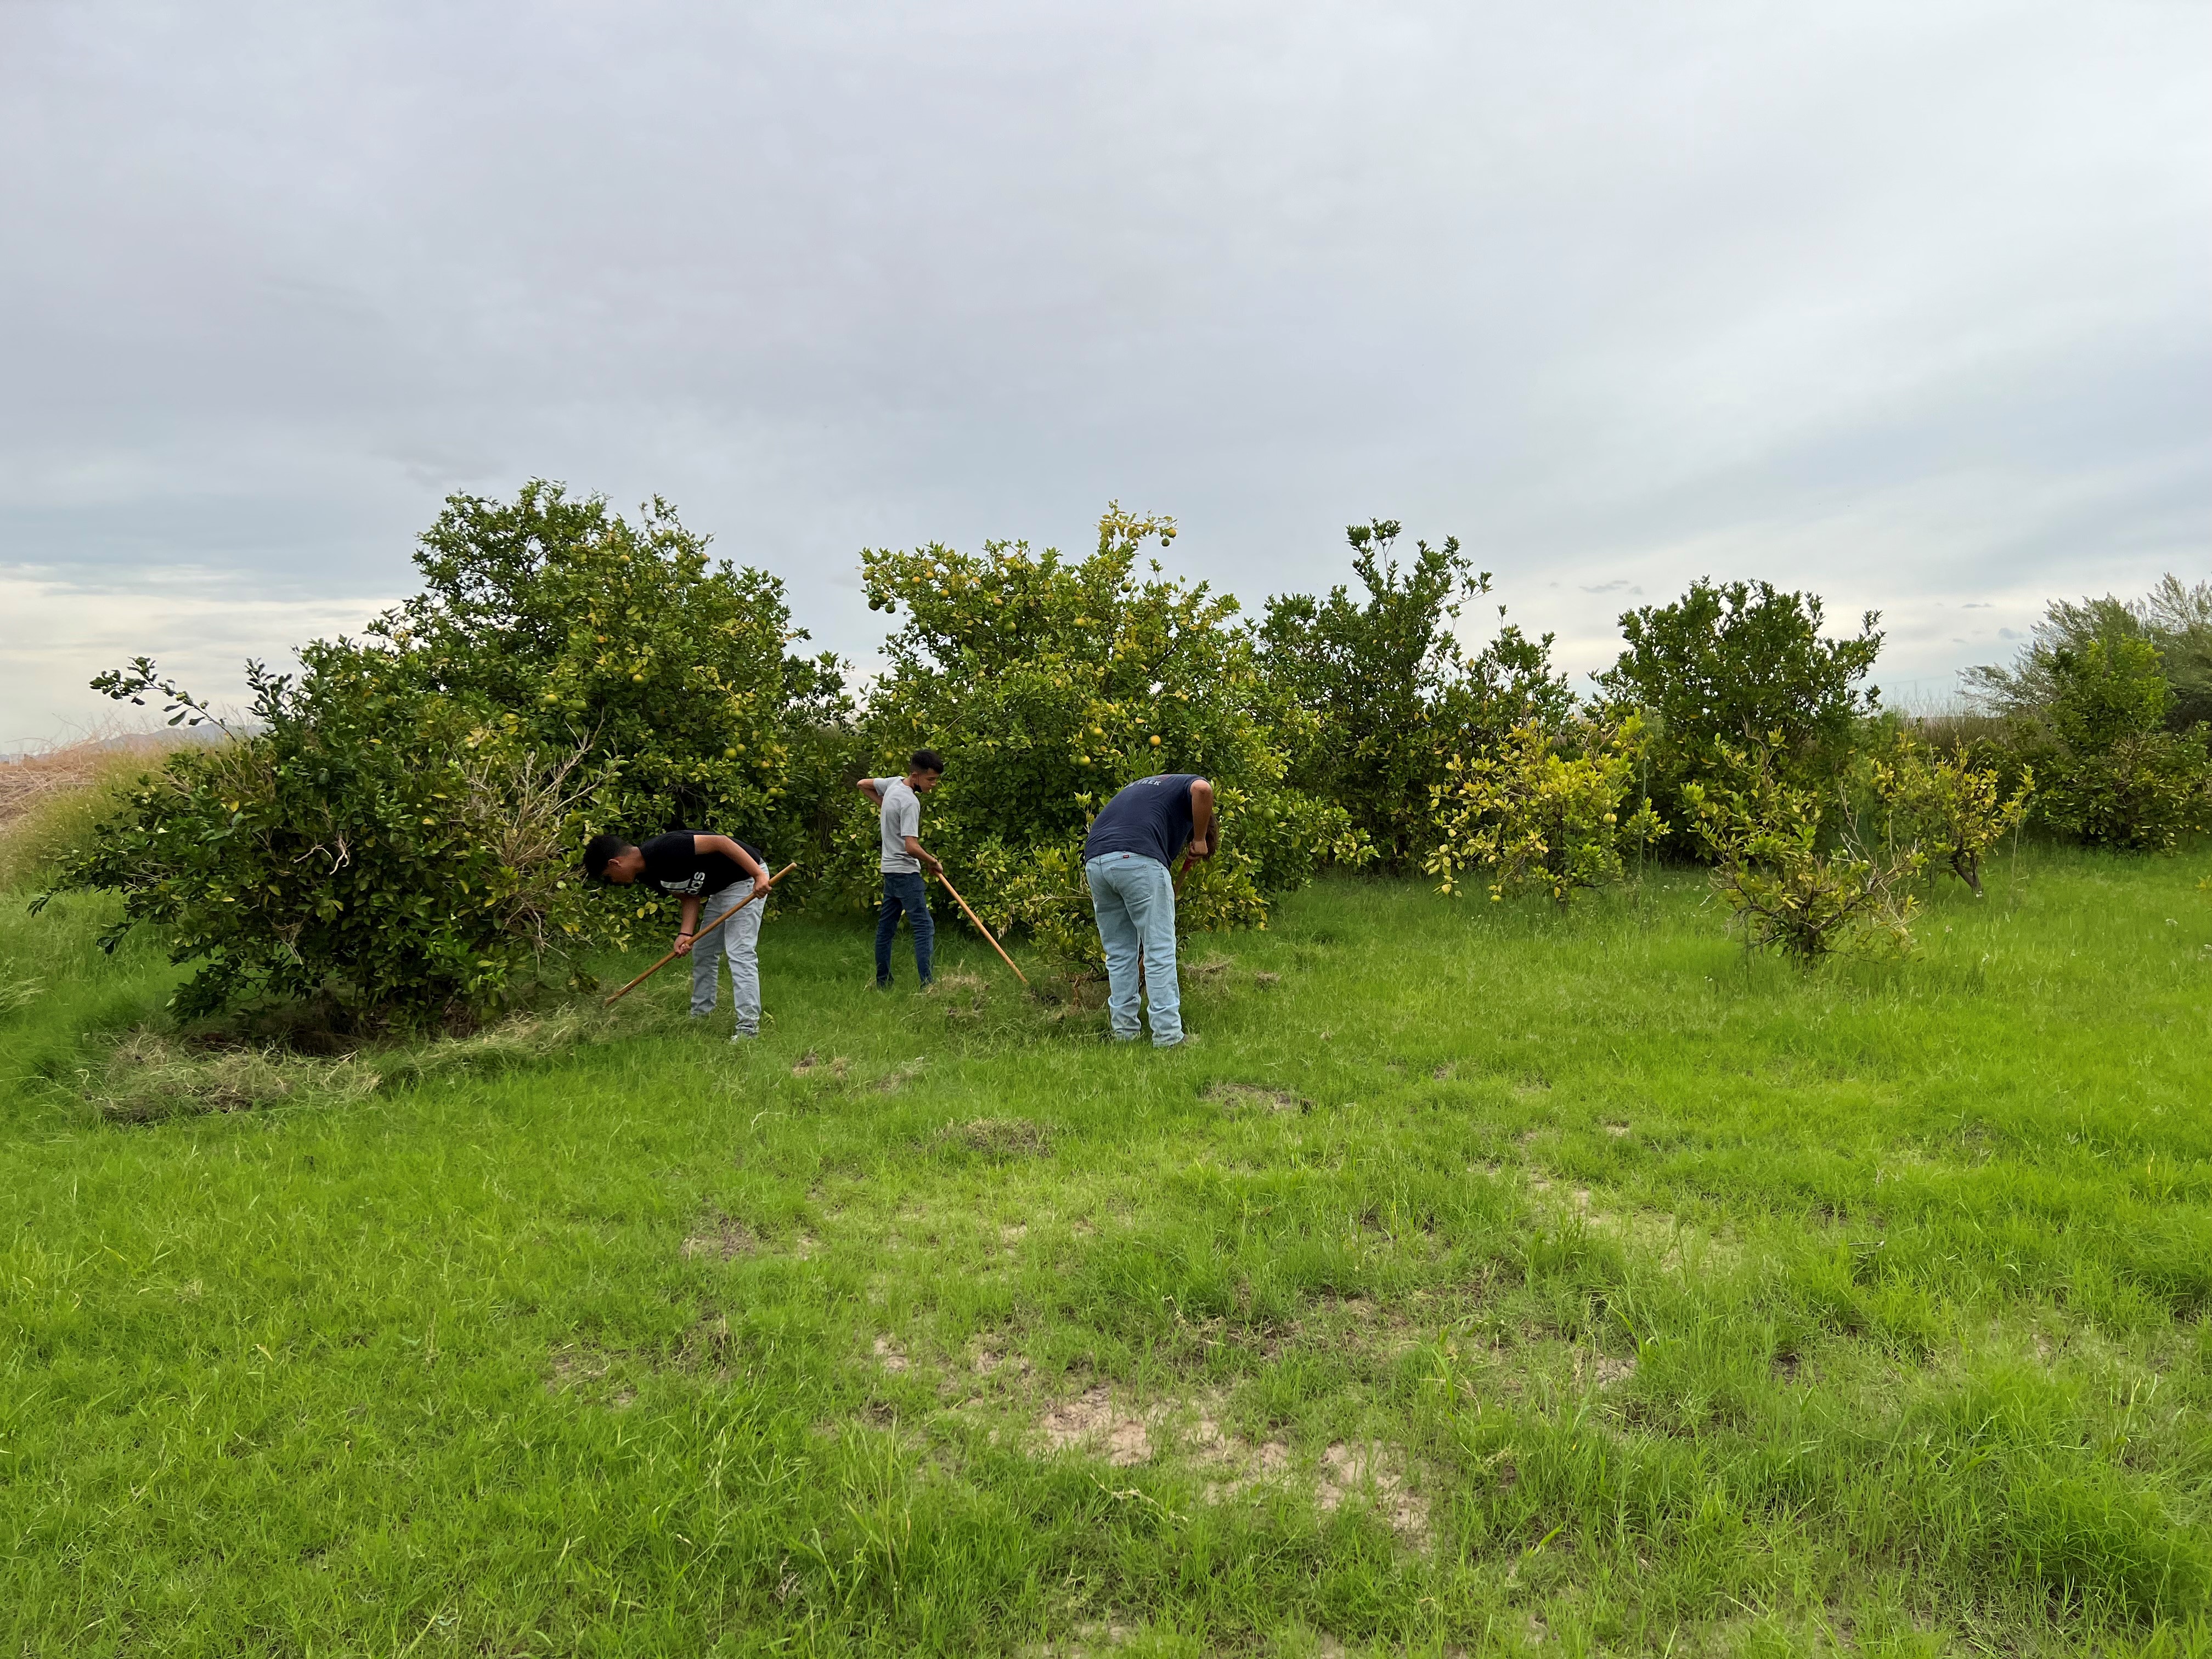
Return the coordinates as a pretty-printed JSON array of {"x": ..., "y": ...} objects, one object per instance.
[{"x": 1902, "y": 303}]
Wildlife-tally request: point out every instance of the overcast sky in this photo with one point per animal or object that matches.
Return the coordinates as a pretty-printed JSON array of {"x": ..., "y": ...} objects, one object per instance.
[{"x": 1902, "y": 302}]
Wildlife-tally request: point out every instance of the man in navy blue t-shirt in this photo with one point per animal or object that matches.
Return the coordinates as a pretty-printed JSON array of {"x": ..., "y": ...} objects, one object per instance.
[{"x": 1134, "y": 840}]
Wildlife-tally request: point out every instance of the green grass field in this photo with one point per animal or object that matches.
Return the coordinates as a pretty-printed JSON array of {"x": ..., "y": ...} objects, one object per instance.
[{"x": 1483, "y": 1281}]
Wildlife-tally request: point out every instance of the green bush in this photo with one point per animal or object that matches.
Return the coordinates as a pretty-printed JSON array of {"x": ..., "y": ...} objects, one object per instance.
[
  {"x": 584, "y": 630},
  {"x": 1545, "y": 809},
  {"x": 1741, "y": 663},
  {"x": 1387, "y": 694},
  {"x": 1945, "y": 806},
  {"x": 1048, "y": 684},
  {"x": 1783, "y": 888},
  {"x": 2175, "y": 618},
  {"x": 2114, "y": 775},
  {"x": 392, "y": 849}
]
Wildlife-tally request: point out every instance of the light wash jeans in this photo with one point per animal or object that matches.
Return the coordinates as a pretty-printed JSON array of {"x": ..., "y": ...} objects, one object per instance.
[
  {"x": 1134, "y": 899},
  {"x": 737, "y": 938}
]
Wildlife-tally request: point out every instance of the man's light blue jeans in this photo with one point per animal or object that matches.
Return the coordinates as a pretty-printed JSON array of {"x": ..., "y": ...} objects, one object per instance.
[
  {"x": 1134, "y": 899},
  {"x": 737, "y": 938}
]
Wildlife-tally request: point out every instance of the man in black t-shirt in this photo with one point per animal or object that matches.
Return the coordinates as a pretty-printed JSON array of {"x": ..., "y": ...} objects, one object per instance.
[
  {"x": 711, "y": 875},
  {"x": 1133, "y": 843}
]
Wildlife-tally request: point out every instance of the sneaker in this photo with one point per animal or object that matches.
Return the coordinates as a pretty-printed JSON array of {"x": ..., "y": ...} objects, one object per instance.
[
  {"x": 744, "y": 1036},
  {"x": 1183, "y": 1041}
]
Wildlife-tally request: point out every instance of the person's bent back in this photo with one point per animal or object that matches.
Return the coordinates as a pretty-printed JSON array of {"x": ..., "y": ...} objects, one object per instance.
[{"x": 1129, "y": 860}]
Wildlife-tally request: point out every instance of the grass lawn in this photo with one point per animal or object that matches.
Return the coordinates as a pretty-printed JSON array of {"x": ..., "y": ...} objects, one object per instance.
[{"x": 1483, "y": 1280}]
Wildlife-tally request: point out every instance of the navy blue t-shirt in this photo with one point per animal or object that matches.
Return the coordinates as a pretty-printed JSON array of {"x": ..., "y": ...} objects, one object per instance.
[{"x": 1151, "y": 816}]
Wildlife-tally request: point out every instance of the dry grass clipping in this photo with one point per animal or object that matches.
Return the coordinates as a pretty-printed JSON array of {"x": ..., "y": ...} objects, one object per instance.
[
  {"x": 1254, "y": 1097},
  {"x": 149, "y": 1075},
  {"x": 997, "y": 1137}
]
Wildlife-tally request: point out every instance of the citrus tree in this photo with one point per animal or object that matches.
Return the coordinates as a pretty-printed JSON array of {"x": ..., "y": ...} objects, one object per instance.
[
  {"x": 1744, "y": 664},
  {"x": 1951, "y": 809},
  {"x": 401, "y": 853},
  {"x": 1388, "y": 693},
  {"x": 2114, "y": 773},
  {"x": 624, "y": 639},
  {"x": 1545, "y": 808},
  {"x": 1788, "y": 885},
  {"x": 1048, "y": 683}
]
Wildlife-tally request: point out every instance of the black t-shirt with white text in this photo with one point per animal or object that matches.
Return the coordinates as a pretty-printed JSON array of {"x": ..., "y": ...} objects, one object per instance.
[{"x": 674, "y": 864}]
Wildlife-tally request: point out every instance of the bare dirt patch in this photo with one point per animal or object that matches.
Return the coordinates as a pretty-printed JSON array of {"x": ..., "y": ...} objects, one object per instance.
[
  {"x": 991, "y": 1359},
  {"x": 891, "y": 1356},
  {"x": 1241, "y": 1465},
  {"x": 892, "y": 1081},
  {"x": 1092, "y": 1421},
  {"x": 809, "y": 1064},
  {"x": 1371, "y": 1473},
  {"x": 721, "y": 1237},
  {"x": 1602, "y": 1371},
  {"x": 1256, "y": 1098}
]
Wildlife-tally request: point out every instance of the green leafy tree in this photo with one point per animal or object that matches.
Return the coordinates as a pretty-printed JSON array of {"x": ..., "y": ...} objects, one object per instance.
[
  {"x": 1050, "y": 683},
  {"x": 395, "y": 850},
  {"x": 1743, "y": 663},
  {"x": 1387, "y": 691},
  {"x": 1784, "y": 886},
  {"x": 625, "y": 638},
  {"x": 2175, "y": 617},
  {"x": 1545, "y": 808},
  {"x": 2114, "y": 773}
]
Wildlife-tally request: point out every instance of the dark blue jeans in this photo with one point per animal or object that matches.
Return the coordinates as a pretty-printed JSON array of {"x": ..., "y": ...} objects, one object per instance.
[{"x": 905, "y": 894}]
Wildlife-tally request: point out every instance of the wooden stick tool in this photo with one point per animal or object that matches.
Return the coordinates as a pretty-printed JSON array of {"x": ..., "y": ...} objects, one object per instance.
[{"x": 980, "y": 927}]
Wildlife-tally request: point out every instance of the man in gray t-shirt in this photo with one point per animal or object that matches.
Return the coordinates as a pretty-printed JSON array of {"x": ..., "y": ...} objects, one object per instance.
[{"x": 899, "y": 801}]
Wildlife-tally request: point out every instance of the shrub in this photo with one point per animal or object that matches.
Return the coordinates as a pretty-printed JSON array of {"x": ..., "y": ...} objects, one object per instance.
[
  {"x": 1049, "y": 684},
  {"x": 1763, "y": 834},
  {"x": 1944, "y": 804},
  {"x": 1388, "y": 693},
  {"x": 2175, "y": 618},
  {"x": 2114, "y": 775},
  {"x": 386, "y": 847},
  {"x": 592, "y": 632},
  {"x": 1544, "y": 808},
  {"x": 1742, "y": 663}
]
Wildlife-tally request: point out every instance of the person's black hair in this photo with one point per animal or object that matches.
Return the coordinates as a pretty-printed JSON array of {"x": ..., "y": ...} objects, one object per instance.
[
  {"x": 601, "y": 851},
  {"x": 925, "y": 760}
]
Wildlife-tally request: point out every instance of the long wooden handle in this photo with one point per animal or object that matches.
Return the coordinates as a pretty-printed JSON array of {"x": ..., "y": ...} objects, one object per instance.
[
  {"x": 980, "y": 927},
  {"x": 703, "y": 933}
]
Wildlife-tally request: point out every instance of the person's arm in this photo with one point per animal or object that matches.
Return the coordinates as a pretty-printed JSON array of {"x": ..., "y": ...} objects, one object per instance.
[
  {"x": 687, "y": 925},
  {"x": 913, "y": 850},
  {"x": 1202, "y": 818},
  {"x": 867, "y": 786},
  {"x": 730, "y": 849}
]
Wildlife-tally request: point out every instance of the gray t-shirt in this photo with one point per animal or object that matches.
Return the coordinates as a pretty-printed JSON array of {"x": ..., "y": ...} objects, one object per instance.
[{"x": 901, "y": 816}]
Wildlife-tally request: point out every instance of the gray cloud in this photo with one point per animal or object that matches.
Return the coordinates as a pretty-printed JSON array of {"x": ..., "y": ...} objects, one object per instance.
[{"x": 1897, "y": 302}]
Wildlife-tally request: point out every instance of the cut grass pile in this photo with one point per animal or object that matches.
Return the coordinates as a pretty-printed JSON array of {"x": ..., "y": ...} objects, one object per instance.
[{"x": 1484, "y": 1281}]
